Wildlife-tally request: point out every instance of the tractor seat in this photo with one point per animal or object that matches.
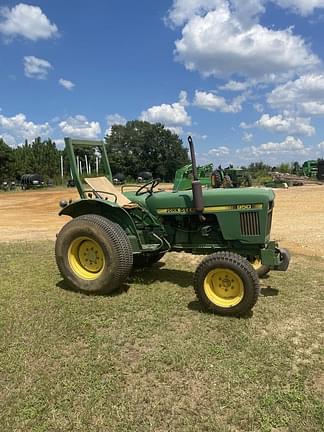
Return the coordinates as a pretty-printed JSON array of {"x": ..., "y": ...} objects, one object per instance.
[{"x": 102, "y": 184}]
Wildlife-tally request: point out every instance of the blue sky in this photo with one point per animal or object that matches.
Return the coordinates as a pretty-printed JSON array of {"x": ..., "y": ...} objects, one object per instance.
[{"x": 246, "y": 79}]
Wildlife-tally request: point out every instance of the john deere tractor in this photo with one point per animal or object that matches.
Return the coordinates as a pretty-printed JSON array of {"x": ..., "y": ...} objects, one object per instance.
[
  {"x": 112, "y": 231},
  {"x": 229, "y": 177}
]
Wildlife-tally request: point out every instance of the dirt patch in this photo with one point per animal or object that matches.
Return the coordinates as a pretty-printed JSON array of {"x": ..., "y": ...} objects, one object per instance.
[
  {"x": 318, "y": 384},
  {"x": 32, "y": 215},
  {"x": 298, "y": 222}
]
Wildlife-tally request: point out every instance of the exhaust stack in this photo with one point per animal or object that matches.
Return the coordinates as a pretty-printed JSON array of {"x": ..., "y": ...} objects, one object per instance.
[{"x": 196, "y": 185}]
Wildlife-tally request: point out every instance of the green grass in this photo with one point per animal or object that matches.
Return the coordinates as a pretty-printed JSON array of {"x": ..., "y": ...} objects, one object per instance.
[{"x": 148, "y": 359}]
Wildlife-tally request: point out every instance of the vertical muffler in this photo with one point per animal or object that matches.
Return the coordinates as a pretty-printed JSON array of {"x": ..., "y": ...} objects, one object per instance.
[{"x": 197, "y": 194}]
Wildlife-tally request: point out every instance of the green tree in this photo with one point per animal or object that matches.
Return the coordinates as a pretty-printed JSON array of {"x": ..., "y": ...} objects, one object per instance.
[
  {"x": 295, "y": 168},
  {"x": 142, "y": 146},
  {"x": 6, "y": 161},
  {"x": 284, "y": 168},
  {"x": 41, "y": 157}
]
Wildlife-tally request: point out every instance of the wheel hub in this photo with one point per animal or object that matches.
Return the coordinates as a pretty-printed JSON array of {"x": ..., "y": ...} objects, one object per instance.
[
  {"x": 90, "y": 256},
  {"x": 86, "y": 258},
  {"x": 224, "y": 287}
]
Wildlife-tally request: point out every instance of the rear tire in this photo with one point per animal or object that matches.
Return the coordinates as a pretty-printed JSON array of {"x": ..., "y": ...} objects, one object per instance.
[
  {"x": 226, "y": 284},
  {"x": 93, "y": 254},
  {"x": 216, "y": 179}
]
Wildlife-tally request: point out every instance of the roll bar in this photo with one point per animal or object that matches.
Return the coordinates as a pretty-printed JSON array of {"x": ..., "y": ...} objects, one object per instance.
[{"x": 71, "y": 144}]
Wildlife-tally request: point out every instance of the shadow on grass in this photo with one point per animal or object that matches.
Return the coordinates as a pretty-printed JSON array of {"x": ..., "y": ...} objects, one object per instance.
[
  {"x": 153, "y": 274},
  {"x": 196, "y": 306},
  {"x": 269, "y": 292},
  {"x": 121, "y": 290}
]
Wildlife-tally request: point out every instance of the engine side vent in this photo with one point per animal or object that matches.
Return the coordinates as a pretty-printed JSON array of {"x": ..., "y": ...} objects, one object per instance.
[{"x": 250, "y": 225}]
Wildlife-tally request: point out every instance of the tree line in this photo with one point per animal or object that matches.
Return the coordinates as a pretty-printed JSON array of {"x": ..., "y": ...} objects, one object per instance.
[{"x": 132, "y": 148}]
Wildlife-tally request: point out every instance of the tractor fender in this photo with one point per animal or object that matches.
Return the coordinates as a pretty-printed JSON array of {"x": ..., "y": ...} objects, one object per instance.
[{"x": 107, "y": 209}]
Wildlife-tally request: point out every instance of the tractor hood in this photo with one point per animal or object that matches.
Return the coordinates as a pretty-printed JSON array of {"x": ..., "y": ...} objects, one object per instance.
[{"x": 162, "y": 203}]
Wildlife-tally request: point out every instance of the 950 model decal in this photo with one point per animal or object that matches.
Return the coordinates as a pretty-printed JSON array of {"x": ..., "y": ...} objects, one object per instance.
[{"x": 213, "y": 209}]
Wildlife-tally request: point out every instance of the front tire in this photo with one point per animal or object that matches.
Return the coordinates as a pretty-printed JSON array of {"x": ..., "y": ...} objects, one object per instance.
[
  {"x": 226, "y": 284},
  {"x": 93, "y": 254}
]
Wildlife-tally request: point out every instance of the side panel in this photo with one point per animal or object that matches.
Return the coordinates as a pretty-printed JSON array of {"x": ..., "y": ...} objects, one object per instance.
[{"x": 242, "y": 215}]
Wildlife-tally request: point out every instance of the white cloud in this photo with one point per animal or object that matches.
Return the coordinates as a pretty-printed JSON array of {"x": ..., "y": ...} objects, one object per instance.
[
  {"x": 80, "y": 127},
  {"x": 219, "y": 151},
  {"x": 114, "y": 119},
  {"x": 184, "y": 10},
  {"x": 36, "y": 68},
  {"x": 303, "y": 95},
  {"x": 222, "y": 38},
  {"x": 69, "y": 85},
  {"x": 247, "y": 137},
  {"x": 183, "y": 98},
  {"x": 321, "y": 145},
  {"x": 289, "y": 144},
  {"x": 313, "y": 108},
  {"x": 178, "y": 130},
  {"x": 60, "y": 144},
  {"x": 17, "y": 129},
  {"x": 171, "y": 115},
  {"x": 213, "y": 102},
  {"x": 291, "y": 147},
  {"x": 303, "y": 7},
  {"x": 235, "y": 86},
  {"x": 283, "y": 124},
  {"x": 245, "y": 11},
  {"x": 9, "y": 139},
  {"x": 197, "y": 136},
  {"x": 26, "y": 21},
  {"x": 258, "y": 107}
]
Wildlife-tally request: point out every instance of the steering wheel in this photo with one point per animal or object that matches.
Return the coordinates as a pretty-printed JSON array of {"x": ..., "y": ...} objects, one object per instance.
[{"x": 147, "y": 187}]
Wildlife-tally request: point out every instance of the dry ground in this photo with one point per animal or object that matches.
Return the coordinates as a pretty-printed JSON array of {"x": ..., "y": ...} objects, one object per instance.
[{"x": 298, "y": 219}]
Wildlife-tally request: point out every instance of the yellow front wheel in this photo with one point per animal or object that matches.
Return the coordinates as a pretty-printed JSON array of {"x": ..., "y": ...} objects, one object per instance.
[
  {"x": 226, "y": 284},
  {"x": 224, "y": 287}
]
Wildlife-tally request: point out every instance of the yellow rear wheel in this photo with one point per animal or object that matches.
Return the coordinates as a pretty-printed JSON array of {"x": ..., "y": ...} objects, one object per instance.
[{"x": 93, "y": 254}]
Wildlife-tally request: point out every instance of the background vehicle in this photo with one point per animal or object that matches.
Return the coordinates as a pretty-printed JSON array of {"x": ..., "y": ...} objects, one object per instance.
[
  {"x": 210, "y": 177},
  {"x": 29, "y": 181},
  {"x": 144, "y": 176}
]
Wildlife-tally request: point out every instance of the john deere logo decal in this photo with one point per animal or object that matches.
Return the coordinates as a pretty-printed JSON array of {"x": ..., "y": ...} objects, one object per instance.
[{"x": 214, "y": 209}]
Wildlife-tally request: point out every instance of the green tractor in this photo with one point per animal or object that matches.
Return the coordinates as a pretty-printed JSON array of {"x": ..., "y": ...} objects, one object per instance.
[
  {"x": 209, "y": 177},
  {"x": 184, "y": 176},
  {"x": 310, "y": 168},
  {"x": 112, "y": 231},
  {"x": 231, "y": 177}
]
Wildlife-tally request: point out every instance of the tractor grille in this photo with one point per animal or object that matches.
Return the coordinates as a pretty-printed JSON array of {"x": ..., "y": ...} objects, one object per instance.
[{"x": 250, "y": 225}]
